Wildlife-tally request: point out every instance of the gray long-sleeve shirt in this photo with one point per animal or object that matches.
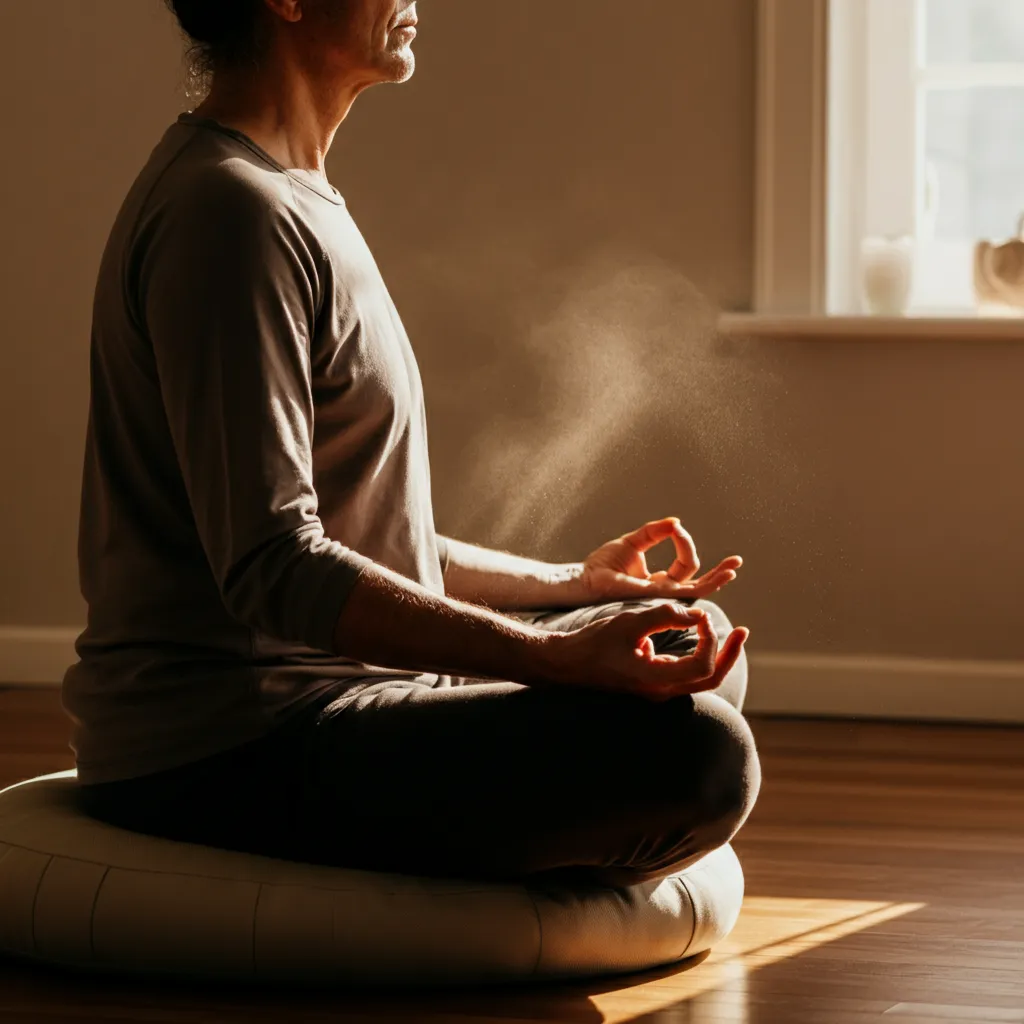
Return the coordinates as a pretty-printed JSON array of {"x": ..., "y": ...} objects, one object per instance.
[{"x": 256, "y": 437}]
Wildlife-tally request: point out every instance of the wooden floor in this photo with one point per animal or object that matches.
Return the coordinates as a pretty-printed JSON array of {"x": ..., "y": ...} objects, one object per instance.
[{"x": 885, "y": 879}]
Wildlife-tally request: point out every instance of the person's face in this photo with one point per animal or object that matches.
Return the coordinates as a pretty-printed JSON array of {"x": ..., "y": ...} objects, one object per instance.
[{"x": 369, "y": 41}]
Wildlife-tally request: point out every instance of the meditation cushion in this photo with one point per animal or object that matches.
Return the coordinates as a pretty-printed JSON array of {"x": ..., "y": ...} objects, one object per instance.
[{"x": 79, "y": 893}]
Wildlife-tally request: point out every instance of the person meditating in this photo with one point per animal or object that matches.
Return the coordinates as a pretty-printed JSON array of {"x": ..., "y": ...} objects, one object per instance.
[{"x": 282, "y": 657}]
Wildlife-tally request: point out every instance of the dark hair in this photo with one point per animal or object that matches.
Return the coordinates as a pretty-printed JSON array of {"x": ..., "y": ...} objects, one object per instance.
[{"x": 221, "y": 33}]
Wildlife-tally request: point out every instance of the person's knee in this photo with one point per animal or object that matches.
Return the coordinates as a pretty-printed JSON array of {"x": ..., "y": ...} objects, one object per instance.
[
  {"x": 707, "y": 804},
  {"x": 702, "y": 779},
  {"x": 729, "y": 780}
]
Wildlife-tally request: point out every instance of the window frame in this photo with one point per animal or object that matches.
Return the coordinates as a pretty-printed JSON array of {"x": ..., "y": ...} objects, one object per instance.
[
  {"x": 802, "y": 277},
  {"x": 791, "y": 158},
  {"x": 978, "y": 74},
  {"x": 874, "y": 155}
]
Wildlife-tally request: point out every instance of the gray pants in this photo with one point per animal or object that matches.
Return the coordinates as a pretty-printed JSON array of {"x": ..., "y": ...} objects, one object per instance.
[{"x": 474, "y": 779}]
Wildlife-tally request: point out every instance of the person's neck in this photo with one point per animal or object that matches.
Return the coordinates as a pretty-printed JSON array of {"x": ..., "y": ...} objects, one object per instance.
[{"x": 292, "y": 116}]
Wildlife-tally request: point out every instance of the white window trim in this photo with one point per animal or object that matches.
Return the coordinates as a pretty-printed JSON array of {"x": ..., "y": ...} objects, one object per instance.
[
  {"x": 791, "y": 166},
  {"x": 794, "y": 284},
  {"x": 846, "y": 153}
]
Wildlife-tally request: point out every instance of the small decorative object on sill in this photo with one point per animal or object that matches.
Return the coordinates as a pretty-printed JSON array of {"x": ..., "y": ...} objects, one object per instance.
[
  {"x": 999, "y": 276},
  {"x": 887, "y": 274}
]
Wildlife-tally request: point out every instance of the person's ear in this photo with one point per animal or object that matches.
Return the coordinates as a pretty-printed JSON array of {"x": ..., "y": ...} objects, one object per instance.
[{"x": 289, "y": 10}]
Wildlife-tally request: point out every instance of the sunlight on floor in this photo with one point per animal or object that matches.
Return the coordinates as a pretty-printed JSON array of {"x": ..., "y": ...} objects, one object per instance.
[{"x": 769, "y": 930}]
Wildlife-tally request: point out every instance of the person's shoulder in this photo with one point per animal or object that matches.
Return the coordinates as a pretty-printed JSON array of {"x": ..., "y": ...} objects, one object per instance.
[
  {"x": 217, "y": 199},
  {"x": 216, "y": 177}
]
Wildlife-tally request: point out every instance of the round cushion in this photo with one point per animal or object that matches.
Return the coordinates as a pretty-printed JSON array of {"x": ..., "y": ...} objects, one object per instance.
[{"x": 80, "y": 893}]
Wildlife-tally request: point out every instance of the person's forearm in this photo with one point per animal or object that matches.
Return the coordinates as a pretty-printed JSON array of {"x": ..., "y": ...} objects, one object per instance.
[
  {"x": 500, "y": 580},
  {"x": 390, "y": 621}
]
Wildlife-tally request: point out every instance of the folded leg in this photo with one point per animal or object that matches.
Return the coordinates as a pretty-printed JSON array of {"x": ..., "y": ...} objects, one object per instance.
[{"x": 492, "y": 780}]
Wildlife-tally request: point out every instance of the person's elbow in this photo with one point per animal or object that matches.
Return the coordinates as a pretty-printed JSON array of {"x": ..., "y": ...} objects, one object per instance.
[{"x": 292, "y": 587}]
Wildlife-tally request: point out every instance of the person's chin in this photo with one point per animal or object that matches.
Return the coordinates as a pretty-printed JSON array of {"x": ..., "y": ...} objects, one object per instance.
[
  {"x": 405, "y": 65},
  {"x": 401, "y": 64}
]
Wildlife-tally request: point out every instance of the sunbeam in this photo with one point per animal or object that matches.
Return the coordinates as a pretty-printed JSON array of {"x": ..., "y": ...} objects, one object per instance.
[{"x": 770, "y": 929}]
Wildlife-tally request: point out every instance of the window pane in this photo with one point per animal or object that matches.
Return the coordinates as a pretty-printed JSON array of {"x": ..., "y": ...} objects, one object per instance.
[
  {"x": 969, "y": 31},
  {"x": 974, "y": 146}
]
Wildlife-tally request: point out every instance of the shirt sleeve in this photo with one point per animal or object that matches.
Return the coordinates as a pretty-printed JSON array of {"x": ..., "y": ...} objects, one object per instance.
[{"x": 228, "y": 289}]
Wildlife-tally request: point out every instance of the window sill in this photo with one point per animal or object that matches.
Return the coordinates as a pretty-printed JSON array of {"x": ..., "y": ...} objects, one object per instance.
[{"x": 867, "y": 328}]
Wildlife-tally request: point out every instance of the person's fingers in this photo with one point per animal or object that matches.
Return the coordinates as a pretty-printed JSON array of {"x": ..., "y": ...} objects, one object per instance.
[
  {"x": 711, "y": 583},
  {"x": 671, "y": 675},
  {"x": 653, "y": 533},
  {"x": 705, "y": 655},
  {"x": 732, "y": 562},
  {"x": 700, "y": 680},
  {"x": 664, "y": 586},
  {"x": 687, "y": 563},
  {"x": 645, "y": 622},
  {"x": 727, "y": 565},
  {"x": 650, "y": 534},
  {"x": 646, "y": 648},
  {"x": 729, "y": 654}
]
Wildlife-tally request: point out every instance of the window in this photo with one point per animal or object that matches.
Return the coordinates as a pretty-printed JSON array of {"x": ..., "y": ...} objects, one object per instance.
[
  {"x": 927, "y": 111},
  {"x": 886, "y": 118}
]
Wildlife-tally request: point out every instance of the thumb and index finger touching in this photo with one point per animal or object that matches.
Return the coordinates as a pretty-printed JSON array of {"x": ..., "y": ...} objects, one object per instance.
[
  {"x": 654, "y": 533},
  {"x": 667, "y": 614},
  {"x": 686, "y": 564},
  {"x": 713, "y": 658}
]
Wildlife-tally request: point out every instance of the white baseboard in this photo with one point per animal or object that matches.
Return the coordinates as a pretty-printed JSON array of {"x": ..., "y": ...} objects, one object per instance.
[
  {"x": 824, "y": 685},
  {"x": 871, "y": 686},
  {"x": 36, "y": 655}
]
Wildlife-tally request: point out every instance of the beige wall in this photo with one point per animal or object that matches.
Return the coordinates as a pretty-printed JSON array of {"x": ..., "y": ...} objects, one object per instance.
[
  {"x": 88, "y": 87},
  {"x": 543, "y": 150}
]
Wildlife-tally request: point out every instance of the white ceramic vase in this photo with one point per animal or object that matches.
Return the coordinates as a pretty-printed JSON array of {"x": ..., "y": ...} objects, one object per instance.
[{"x": 887, "y": 275}]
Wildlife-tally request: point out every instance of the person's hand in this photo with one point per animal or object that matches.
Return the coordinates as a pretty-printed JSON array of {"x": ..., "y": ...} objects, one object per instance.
[
  {"x": 617, "y": 654},
  {"x": 617, "y": 571}
]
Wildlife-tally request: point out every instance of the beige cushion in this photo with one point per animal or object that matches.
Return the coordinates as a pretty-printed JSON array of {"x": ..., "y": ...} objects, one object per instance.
[{"x": 77, "y": 892}]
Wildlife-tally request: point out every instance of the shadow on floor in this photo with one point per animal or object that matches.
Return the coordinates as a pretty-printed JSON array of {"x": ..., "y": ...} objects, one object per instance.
[{"x": 31, "y": 992}]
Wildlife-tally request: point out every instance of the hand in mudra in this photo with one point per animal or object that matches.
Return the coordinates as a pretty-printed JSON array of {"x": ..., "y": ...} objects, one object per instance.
[
  {"x": 617, "y": 571},
  {"x": 617, "y": 654}
]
